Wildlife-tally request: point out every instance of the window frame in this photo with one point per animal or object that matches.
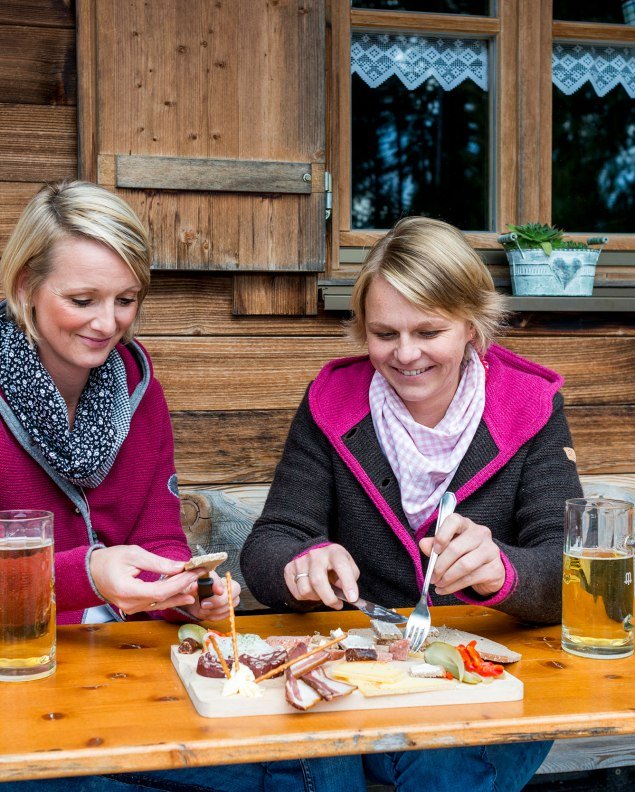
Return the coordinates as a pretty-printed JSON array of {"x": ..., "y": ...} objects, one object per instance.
[{"x": 523, "y": 34}]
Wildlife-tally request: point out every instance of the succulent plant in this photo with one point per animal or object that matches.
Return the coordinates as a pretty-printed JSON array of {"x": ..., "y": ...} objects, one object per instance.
[{"x": 539, "y": 235}]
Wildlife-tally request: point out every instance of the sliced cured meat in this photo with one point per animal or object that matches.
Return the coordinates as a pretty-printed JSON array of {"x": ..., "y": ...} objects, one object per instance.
[
  {"x": 299, "y": 694},
  {"x": 263, "y": 664},
  {"x": 327, "y": 688},
  {"x": 209, "y": 666},
  {"x": 360, "y": 654}
]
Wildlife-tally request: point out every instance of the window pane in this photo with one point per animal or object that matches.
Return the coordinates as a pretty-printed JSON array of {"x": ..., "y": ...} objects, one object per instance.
[
  {"x": 476, "y": 7},
  {"x": 420, "y": 151},
  {"x": 592, "y": 11},
  {"x": 594, "y": 160}
]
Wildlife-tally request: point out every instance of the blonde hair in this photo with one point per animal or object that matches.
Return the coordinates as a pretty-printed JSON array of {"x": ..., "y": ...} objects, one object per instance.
[
  {"x": 66, "y": 210},
  {"x": 433, "y": 266}
]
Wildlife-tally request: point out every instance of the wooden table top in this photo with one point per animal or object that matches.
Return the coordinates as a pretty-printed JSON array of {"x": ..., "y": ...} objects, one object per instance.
[{"x": 116, "y": 703}]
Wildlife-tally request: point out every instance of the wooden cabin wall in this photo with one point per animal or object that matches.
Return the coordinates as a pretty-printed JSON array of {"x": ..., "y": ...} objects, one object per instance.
[{"x": 233, "y": 383}]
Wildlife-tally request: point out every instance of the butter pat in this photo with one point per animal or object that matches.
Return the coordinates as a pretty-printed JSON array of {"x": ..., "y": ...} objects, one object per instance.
[{"x": 241, "y": 683}]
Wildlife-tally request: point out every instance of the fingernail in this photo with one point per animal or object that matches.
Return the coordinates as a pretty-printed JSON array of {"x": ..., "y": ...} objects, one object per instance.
[{"x": 350, "y": 595}]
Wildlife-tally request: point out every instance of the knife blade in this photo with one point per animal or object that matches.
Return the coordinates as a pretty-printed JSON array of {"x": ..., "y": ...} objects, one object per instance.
[{"x": 371, "y": 609}]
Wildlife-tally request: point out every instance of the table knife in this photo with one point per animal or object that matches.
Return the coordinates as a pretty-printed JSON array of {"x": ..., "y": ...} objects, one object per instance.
[{"x": 371, "y": 609}]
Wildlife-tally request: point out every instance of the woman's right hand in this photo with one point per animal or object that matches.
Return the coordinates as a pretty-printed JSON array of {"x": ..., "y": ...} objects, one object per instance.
[
  {"x": 115, "y": 572},
  {"x": 309, "y": 576}
]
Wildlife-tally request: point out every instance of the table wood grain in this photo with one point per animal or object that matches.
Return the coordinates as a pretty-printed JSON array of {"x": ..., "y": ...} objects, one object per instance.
[{"x": 116, "y": 703}]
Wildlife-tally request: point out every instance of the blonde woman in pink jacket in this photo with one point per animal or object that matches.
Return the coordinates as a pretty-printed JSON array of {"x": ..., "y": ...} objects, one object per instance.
[{"x": 84, "y": 426}]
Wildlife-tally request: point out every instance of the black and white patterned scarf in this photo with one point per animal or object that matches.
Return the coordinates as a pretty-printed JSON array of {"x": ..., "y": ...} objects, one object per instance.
[{"x": 84, "y": 454}]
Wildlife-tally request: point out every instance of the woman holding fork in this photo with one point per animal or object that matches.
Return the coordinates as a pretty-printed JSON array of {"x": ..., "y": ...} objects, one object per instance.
[{"x": 378, "y": 439}]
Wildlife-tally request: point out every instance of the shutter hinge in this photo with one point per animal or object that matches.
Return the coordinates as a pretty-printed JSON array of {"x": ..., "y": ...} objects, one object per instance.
[{"x": 328, "y": 194}]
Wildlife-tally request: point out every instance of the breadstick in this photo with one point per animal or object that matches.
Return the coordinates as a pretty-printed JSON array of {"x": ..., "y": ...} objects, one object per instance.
[
  {"x": 221, "y": 659},
  {"x": 232, "y": 617},
  {"x": 286, "y": 665}
]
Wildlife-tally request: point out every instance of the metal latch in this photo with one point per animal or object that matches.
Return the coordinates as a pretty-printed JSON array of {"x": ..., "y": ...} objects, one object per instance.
[{"x": 328, "y": 194}]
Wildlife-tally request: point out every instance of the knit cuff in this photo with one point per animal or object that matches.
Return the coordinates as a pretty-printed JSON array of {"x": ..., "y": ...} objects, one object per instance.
[
  {"x": 508, "y": 587},
  {"x": 309, "y": 549},
  {"x": 91, "y": 549}
]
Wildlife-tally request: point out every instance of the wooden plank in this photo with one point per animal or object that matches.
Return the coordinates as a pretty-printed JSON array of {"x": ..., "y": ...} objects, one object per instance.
[
  {"x": 224, "y": 446},
  {"x": 339, "y": 126},
  {"x": 88, "y": 109},
  {"x": 591, "y": 31},
  {"x": 534, "y": 112},
  {"x": 272, "y": 373},
  {"x": 274, "y": 295},
  {"x": 221, "y": 175},
  {"x": 187, "y": 78},
  {"x": 485, "y": 240},
  {"x": 240, "y": 373},
  {"x": 185, "y": 235},
  {"x": 38, "y": 143},
  {"x": 434, "y": 23},
  {"x": 505, "y": 143},
  {"x": 591, "y": 753},
  {"x": 37, "y": 65},
  {"x": 13, "y": 198},
  {"x": 229, "y": 447},
  {"x": 603, "y": 438},
  {"x": 37, "y": 13},
  {"x": 200, "y": 304}
]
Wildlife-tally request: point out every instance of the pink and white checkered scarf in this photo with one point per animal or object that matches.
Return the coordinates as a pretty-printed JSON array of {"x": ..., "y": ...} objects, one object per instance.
[{"x": 425, "y": 459}]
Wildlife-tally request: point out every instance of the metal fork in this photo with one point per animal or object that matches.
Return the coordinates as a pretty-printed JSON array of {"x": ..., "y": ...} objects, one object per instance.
[{"x": 418, "y": 625}]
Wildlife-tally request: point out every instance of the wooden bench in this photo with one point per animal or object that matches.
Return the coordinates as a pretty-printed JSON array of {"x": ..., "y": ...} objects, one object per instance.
[{"x": 566, "y": 756}]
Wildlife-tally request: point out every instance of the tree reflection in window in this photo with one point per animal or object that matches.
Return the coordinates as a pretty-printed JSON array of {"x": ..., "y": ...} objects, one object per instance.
[
  {"x": 423, "y": 151},
  {"x": 594, "y": 161}
]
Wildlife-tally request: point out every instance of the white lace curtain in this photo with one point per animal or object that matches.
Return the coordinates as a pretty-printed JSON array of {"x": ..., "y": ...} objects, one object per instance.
[
  {"x": 603, "y": 67},
  {"x": 414, "y": 59}
]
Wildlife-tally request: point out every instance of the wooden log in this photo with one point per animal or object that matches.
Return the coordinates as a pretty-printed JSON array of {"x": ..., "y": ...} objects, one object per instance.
[
  {"x": 200, "y": 304},
  {"x": 37, "y": 13},
  {"x": 29, "y": 77},
  {"x": 274, "y": 295},
  {"x": 603, "y": 437},
  {"x": 272, "y": 373},
  {"x": 38, "y": 143},
  {"x": 245, "y": 446},
  {"x": 13, "y": 198},
  {"x": 229, "y": 447}
]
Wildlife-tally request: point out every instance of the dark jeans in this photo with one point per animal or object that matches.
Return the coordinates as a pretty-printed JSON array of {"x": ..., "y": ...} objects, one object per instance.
[
  {"x": 482, "y": 768},
  {"x": 491, "y": 768}
]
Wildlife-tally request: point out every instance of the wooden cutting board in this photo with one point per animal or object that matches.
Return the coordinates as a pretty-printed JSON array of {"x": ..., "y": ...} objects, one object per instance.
[{"x": 206, "y": 695}]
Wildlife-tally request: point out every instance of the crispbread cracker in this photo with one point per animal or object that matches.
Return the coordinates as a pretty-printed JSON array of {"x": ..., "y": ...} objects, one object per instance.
[
  {"x": 209, "y": 561},
  {"x": 488, "y": 649}
]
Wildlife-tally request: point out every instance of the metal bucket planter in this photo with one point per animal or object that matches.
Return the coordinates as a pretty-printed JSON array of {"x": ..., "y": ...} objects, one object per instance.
[{"x": 568, "y": 272}]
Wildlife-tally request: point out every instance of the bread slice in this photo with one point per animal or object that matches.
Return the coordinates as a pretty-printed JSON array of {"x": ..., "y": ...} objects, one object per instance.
[
  {"x": 209, "y": 561},
  {"x": 488, "y": 650}
]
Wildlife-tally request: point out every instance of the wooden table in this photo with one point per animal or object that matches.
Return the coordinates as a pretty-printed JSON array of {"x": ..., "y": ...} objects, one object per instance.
[{"x": 116, "y": 703}]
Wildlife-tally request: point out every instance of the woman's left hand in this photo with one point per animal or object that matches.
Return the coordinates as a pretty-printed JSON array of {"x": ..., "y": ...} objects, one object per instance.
[
  {"x": 215, "y": 608},
  {"x": 468, "y": 557}
]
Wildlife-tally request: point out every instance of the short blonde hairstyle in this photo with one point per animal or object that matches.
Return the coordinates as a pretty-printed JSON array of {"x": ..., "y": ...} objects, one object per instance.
[
  {"x": 66, "y": 210},
  {"x": 434, "y": 267}
]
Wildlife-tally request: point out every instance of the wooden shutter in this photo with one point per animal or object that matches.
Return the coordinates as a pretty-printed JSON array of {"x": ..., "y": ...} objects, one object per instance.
[{"x": 208, "y": 117}]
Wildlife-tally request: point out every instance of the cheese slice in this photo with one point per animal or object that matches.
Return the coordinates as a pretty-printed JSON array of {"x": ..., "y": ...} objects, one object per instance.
[
  {"x": 369, "y": 670},
  {"x": 404, "y": 685}
]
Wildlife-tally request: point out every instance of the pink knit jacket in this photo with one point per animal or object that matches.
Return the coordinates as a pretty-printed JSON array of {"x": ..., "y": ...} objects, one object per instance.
[{"x": 137, "y": 503}]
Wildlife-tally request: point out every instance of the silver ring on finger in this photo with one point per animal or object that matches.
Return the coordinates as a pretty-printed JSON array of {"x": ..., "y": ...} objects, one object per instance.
[{"x": 300, "y": 575}]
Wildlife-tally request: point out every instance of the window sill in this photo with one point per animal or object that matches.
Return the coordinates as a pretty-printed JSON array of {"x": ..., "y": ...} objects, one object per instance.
[{"x": 336, "y": 296}]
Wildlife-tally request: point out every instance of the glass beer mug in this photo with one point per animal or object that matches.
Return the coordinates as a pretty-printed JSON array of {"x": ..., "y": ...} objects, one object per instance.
[
  {"x": 597, "y": 580},
  {"x": 27, "y": 596}
]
